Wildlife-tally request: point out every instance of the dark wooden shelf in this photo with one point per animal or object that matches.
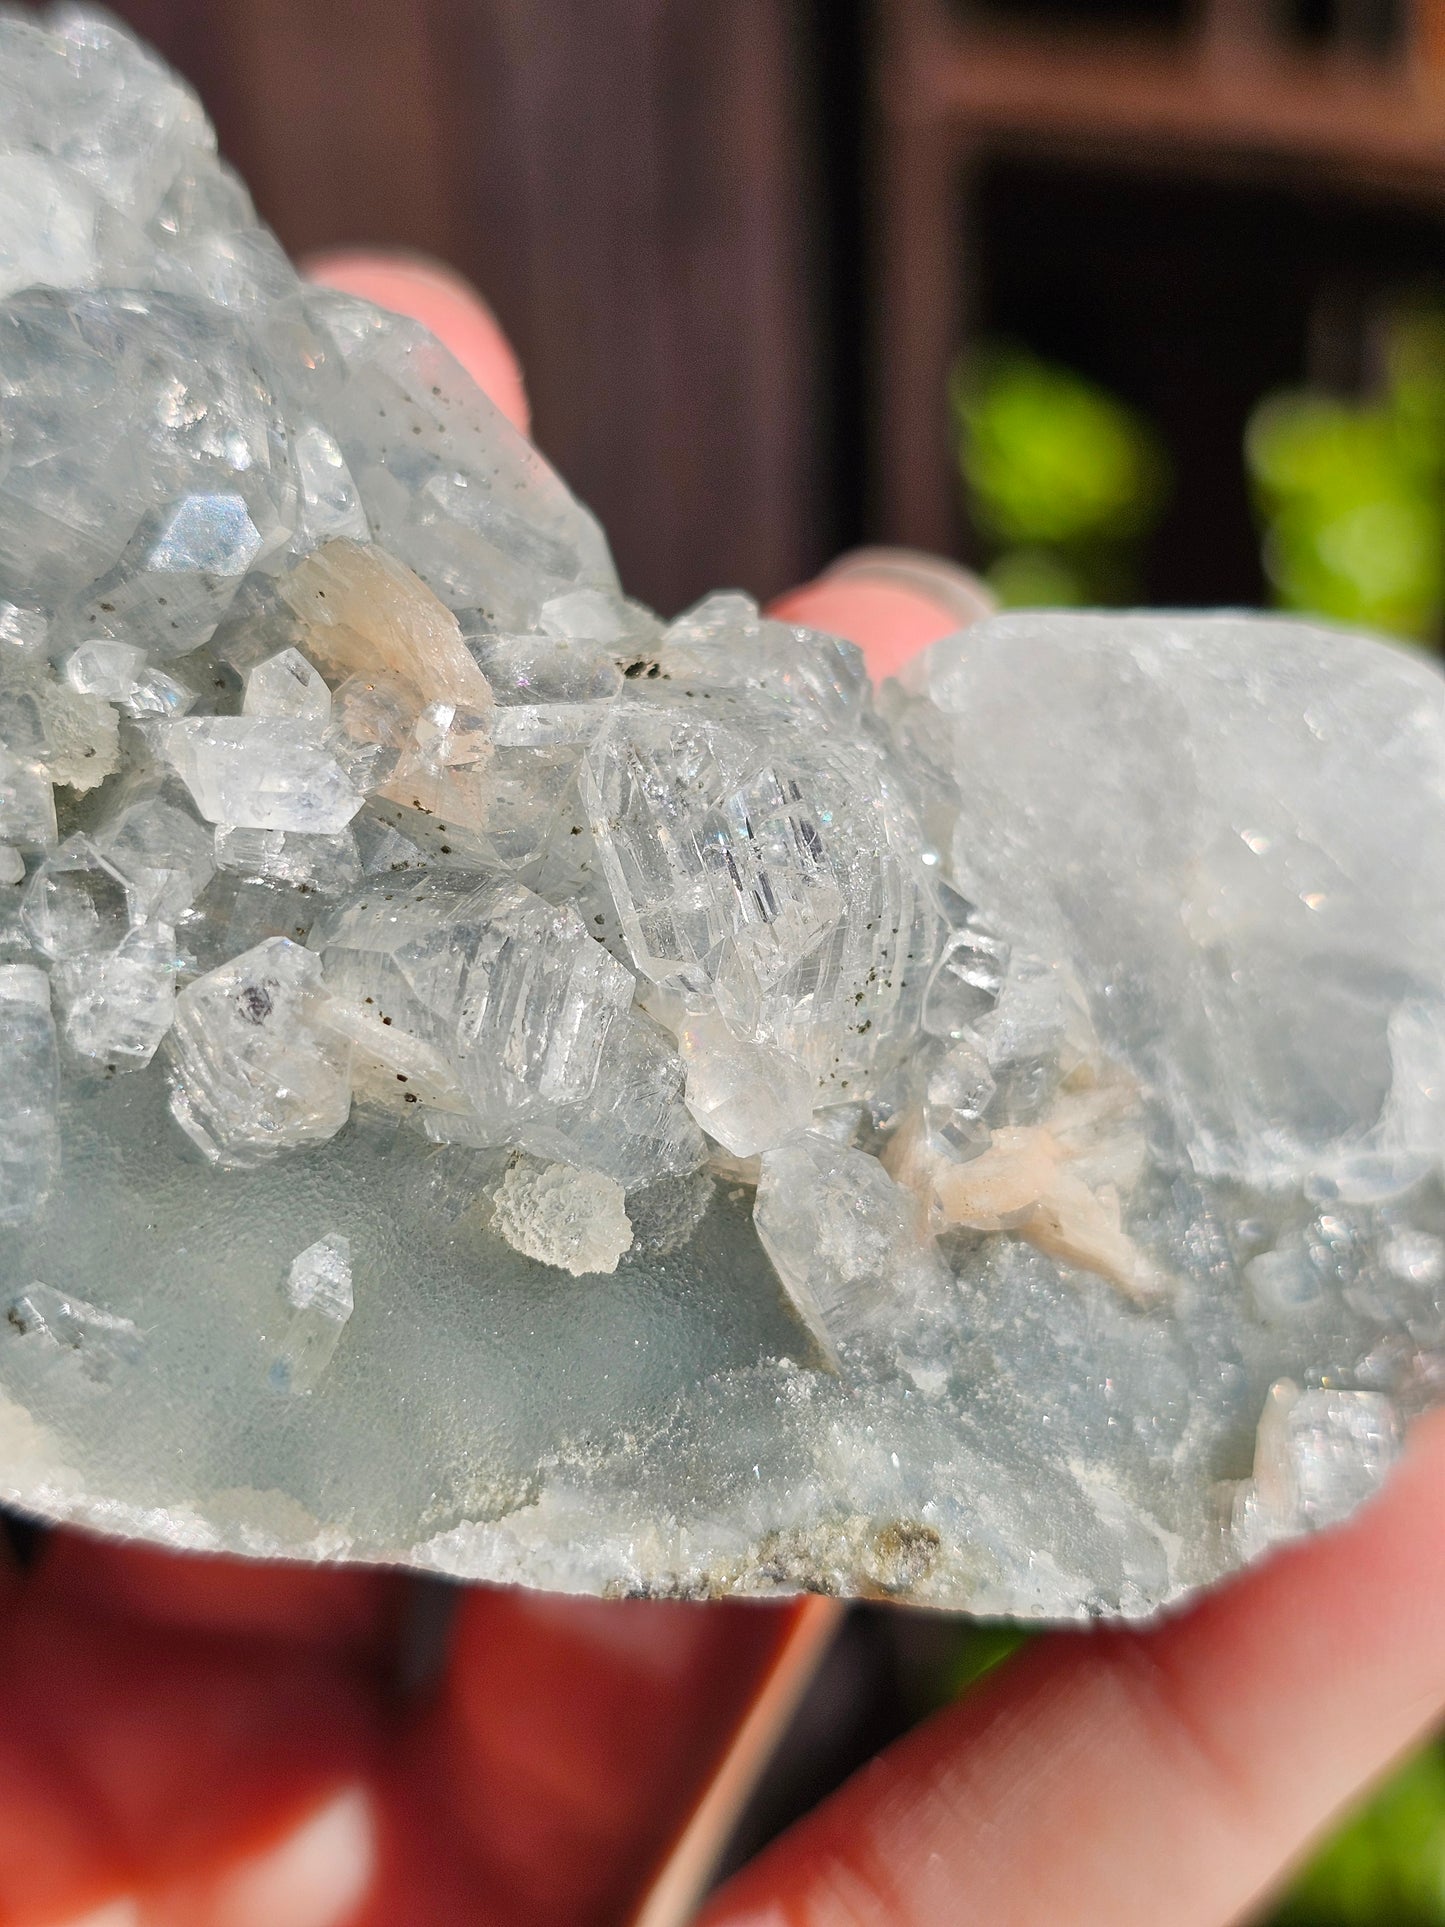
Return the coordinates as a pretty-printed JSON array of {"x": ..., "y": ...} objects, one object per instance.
[
  {"x": 1230, "y": 97},
  {"x": 1355, "y": 119}
]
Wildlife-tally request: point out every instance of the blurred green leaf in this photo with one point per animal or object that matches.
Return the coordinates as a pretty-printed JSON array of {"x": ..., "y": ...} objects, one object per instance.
[
  {"x": 1049, "y": 459},
  {"x": 1351, "y": 495},
  {"x": 1386, "y": 1867},
  {"x": 981, "y": 1647},
  {"x": 1039, "y": 579}
]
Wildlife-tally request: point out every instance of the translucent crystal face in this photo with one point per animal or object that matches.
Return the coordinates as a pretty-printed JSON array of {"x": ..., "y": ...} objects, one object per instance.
[{"x": 495, "y": 1081}]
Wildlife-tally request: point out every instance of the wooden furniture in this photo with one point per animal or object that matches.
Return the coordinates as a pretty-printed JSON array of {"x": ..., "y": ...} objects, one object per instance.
[
  {"x": 1230, "y": 92},
  {"x": 629, "y": 183}
]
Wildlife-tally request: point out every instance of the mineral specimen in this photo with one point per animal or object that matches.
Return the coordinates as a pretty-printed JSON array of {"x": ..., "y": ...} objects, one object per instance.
[{"x": 668, "y": 1120}]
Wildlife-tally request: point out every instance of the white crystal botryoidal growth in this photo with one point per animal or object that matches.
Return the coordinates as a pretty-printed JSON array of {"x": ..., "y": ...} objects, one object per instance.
[
  {"x": 575, "y": 1220},
  {"x": 254, "y": 1068},
  {"x": 319, "y": 1293},
  {"x": 29, "y": 1092}
]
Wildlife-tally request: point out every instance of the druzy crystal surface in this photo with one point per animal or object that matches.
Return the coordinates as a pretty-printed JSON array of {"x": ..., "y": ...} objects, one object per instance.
[{"x": 496, "y": 1082}]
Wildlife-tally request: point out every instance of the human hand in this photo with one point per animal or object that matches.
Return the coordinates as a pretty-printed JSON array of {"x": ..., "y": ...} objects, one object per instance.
[{"x": 194, "y": 1742}]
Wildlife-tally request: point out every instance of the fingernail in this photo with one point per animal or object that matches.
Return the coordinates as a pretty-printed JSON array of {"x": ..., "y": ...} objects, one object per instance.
[
  {"x": 337, "y": 266},
  {"x": 957, "y": 591},
  {"x": 316, "y": 1877}
]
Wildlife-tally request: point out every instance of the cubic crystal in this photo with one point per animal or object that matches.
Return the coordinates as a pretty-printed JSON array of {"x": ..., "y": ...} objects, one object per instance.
[
  {"x": 851, "y": 1246},
  {"x": 119, "y": 1003},
  {"x": 749, "y": 1096},
  {"x": 77, "y": 904},
  {"x": 286, "y": 684}
]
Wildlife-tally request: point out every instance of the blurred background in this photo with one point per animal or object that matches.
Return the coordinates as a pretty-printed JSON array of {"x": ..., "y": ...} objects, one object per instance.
[{"x": 1116, "y": 300}]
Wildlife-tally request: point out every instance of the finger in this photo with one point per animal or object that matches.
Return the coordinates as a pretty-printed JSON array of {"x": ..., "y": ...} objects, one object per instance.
[
  {"x": 355, "y": 1613},
  {"x": 891, "y": 602},
  {"x": 316, "y": 1873},
  {"x": 1102, "y": 1777},
  {"x": 134, "y": 1755},
  {"x": 442, "y": 301},
  {"x": 574, "y": 1743}
]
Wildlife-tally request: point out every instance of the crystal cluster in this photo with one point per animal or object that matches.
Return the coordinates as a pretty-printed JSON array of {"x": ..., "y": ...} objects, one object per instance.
[{"x": 495, "y": 1081}]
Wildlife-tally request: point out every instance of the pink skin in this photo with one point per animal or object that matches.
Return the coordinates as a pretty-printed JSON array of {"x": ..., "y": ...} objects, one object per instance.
[
  {"x": 192, "y": 1742},
  {"x": 441, "y": 301}
]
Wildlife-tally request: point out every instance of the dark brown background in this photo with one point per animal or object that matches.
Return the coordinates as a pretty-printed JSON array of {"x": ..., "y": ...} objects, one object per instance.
[
  {"x": 737, "y": 242},
  {"x": 636, "y": 186}
]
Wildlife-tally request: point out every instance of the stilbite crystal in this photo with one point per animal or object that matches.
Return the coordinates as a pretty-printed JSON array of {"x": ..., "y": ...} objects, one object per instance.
[{"x": 979, "y": 1143}]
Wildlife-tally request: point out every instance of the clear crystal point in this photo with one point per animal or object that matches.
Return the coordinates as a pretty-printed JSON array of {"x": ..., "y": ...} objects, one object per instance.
[
  {"x": 259, "y": 773},
  {"x": 319, "y": 1292}
]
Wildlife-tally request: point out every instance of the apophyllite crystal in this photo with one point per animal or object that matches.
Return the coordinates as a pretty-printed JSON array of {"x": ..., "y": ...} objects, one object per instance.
[{"x": 494, "y": 1082}]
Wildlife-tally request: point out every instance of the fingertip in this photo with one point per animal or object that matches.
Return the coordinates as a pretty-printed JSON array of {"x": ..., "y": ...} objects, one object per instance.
[
  {"x": 441, "y": 300},
  {"x": 892, "y": 602}
]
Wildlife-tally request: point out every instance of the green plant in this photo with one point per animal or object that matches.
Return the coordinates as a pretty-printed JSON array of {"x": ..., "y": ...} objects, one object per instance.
[
  {"x": 1351, "y": 495},
  {"x": 1063, "y": 481},
  {"x": 1386, "y": 1867}
]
